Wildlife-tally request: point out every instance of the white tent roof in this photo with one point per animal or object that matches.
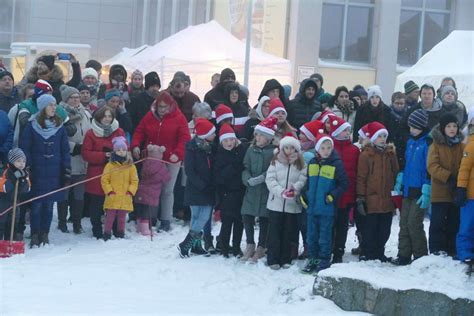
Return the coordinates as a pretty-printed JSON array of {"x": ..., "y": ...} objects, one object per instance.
[
  {"x": 204, "y": 49},
  {"x": 124, "y": 55},
  {"x": 453, "y": 57}
]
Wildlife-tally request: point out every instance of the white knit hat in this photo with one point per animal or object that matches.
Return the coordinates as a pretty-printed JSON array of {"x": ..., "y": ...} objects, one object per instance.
[{"x": 90, "y": 72}]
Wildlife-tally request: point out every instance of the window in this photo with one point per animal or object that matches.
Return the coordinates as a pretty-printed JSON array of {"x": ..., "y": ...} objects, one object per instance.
[
  {"x": 346, "y": 31},
  {"x": 423, "y": 24}
]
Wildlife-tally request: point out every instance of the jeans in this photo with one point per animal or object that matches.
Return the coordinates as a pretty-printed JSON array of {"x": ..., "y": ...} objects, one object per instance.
[
  {"x": 41, "y": 216},
  {"x": 207, "y": 230},
  {"x": 199, "y": 216},
  {"x": 320, "y": 236},
  {"x": 465, "y": 237}
]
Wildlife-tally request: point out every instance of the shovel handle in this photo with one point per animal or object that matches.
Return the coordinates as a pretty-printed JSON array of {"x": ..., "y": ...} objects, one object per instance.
[{"x": 15, "y": 196}]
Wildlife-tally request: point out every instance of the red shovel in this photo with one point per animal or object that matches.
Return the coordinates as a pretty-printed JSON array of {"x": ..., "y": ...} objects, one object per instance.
[{"x": 10, "y": 247}]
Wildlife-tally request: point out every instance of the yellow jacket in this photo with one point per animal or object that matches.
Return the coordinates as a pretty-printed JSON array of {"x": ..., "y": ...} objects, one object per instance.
[
  {"x": 119, "y": 178},
  {"x": 466, "y": 170}
]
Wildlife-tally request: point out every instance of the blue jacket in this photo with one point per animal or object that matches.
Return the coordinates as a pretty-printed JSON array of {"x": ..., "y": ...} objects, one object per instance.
[
  {"x": 325, "y": 176},
  {"x": 415, "y": 173},
  {"x": 47, "y": 160},
  {"x": 6, "y": 136}
]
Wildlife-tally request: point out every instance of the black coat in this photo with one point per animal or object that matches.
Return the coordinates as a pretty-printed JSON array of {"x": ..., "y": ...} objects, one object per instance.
[
  {"x": 399, "y": 136},
  {"x": 368, "y": 114},
  {"x": 199, "y": 188},
  {"x": 228, "y": 169},
  {"x": 270, "y": 85},
  {"x": 218, "y": 95},
  {"x": 8, "y": 180},
  {"x": 139, "y": 107},
  {"x": 125, "y": 122},
  {"x": 302, "y": 109}
]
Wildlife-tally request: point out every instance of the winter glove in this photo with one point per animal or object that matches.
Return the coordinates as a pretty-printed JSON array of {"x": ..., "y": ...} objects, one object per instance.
[
  {"x": 288, "y": 194},
  {"x": 329, "y": 199},
  {"x": 361, "y": 207},
  {"x": 76, "y": 151},
  {"x": 19, "y": 174},
  {"x": 425, "y": 198},
  {"x": 111, "y": 193},
  {"x": 66, "y": 177},
  {"x": 460, "y": 197},
  {"x": 398, "y": 183},
  {"x": 256, "y": 180}
]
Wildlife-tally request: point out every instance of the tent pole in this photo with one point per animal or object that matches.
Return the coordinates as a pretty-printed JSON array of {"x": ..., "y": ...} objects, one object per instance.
[{"x": 248, "y": 42}]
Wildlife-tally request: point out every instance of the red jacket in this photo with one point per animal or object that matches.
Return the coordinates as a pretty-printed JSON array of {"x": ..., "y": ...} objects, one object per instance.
[
  {"x": 93, "y": 152},
  {"x": 349, "y": 154},
  {"x": 171, "y": 132}
]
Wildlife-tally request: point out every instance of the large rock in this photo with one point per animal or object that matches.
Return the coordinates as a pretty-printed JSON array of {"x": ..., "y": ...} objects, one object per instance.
[{"x": 357, "y": 295}]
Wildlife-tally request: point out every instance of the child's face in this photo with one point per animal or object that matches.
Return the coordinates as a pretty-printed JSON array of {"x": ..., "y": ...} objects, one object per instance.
[
  {"x": 327, "y": 125},
  {"x": 229, "y": 143},
  {"x": 210, "y": 139},
  {"x": 451, "y": 129},
  {"x": 261, "y": 141},
  {"x": 381, "y": 140},
  {"x": 121, "y": 152},
  {"x": 345, "y": 134},
  {"x": 288, "y": 150},
  {"x": 20, "y": 164},
  {"x": 415, "y": 131},
  {"x": 326, "y": 149},
  {"x": 375, "y": 100},
  {"x": 281, "y": 116},
  {"x": 303, "y": 138}
]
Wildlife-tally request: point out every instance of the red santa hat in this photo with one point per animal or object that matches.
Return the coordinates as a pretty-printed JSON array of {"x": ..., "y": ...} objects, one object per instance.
[
  {"x": 203, "y": 128},
  {"x": 267, "y": 126},
  {"x": 323, "y": 117},
  {"x": 275, "y": 106},
  {"x": 373, "y": 130},
  {"x": 312, "y": 129},
  {"x": 320, "y": 139},
  {"x": 338, "y": 125},
  {"x": 225, "y": 132},
  {"x": 290, "y": 140},
  {"x": 223, "y": 112}
]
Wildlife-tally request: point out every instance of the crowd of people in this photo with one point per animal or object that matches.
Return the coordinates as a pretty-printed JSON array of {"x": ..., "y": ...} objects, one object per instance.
[{"x": 307, "y": 165}]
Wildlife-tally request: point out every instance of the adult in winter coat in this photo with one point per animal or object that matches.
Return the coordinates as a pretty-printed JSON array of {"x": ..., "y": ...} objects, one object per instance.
[
  {"x": 90, "y": 79},
  {"x": 240, "y": 107},
  {"x": 6, "y": 137},
  {"x": 274, "y": 90},
  {"x": 374, "y": 110},
  {"x": 341, "y": 105},
  {"x": 444, "y": 159},
  {"x": 136, "y": 85},
  {"x": 217, "y": 95},
  {"x": 117, "y": 80},
  {"x": 9, "y": 95},
  {"x": 140, "y": 104},
  {"x": 451, "y": 104},
  {"x": 46, "y": 147},
  {"x": 398, "y": 132},
  {"x": 46, "y": 70},
  {"x": 164, "y": 125},
  {"x": 114, "y": 100},
  {"x": 302, "y": 108},
  {"x": 412, "y": 93},
  {"x": 96, "y": 151},
  {"x": 427, "y": 103},
  {"x": 81, "y": 119},
  {"x": 184, "y": 98},
  {"x": 255, "y": 117}
]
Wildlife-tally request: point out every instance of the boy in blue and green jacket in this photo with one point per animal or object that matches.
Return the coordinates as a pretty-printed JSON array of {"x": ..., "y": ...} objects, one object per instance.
[{"x": 327, "y": 180}]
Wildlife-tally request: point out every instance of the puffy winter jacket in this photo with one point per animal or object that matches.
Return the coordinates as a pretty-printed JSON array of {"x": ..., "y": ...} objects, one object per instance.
[
  {"x": 139, "y": 107},
  {"x": 349, "y": 154},
  {"x": 186, "y": 103},
  {"x": 8, "y": 101},
  {"x": 325, "y": 176},
  {"x": 415, "y": 173},
  {"x": 7, "y": 189},
  {"x": 466, "y": 170},
  {"x": 153, "y": 176},
  {"x": 302, "y": 109},
  {"x": 120, "y": 179}
]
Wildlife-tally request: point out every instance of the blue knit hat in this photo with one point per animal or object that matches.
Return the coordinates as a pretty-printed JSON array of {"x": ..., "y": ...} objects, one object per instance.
[
  {"x": 111, "y": 93},
  {"x": 43, "y": 101},
  {"x": 418, "y": 119},
  {"x": 15, "y": 154}
]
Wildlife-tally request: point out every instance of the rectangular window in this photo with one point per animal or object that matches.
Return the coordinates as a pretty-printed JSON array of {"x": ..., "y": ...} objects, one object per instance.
[{"x": 346, "y": 31}]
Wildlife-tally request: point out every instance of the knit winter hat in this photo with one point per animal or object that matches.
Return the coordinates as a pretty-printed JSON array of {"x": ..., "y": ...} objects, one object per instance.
[
  {"x": 267, "y": 127},
  {"x": 374, "y": 91},
  {"x": 151, "y": 79},
  {"x": 225, "y": 132},
  {"x": 324, "y": 98},
  {"x": 137, "y": 73},
  {"x": 90, "y": 72},
  {"x": 83, "y": 87},
  {"x": 48, "y": 60},
  {"x": 447, "y": 89},
  {"x": 203, "y": 128},
  {"x": 16, "y": 154},
  {"x": 318, "y": 77},
  {"x": 67, "y": 91},
  {"x": 6, "y": 73},
  {"x": 338, "y": 125},
  {"x": 43, "y": 101},
  {"x": 374, "y": 130},
  {"x": 119, "y": 142},
  {"x": 445, "y": 119},
  {"x": 418, "y": 119},
  {"x": 275, "y": 106},
  {"x": 223, "y": 112},
  {"x": 312, "y": 129},
  {"x": 410, "y": 86},
  {"x": 320, "y": 139},
  {"x": 42, "y": 87},
  {"x": 109, "y": 94},
  {"x": 290, "y": 140}
]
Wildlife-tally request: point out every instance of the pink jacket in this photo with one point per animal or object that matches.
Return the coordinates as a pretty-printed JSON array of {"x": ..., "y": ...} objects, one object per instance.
[{"x": 153, "y": 175}]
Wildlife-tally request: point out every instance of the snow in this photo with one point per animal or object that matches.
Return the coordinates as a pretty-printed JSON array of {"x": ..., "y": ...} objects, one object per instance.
[{"x": 81, "y": 275}]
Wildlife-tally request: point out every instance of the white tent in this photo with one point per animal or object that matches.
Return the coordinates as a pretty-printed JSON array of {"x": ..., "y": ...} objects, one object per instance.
[
  {"x": 453, "y": 57},
  {"x": 124, "y": 55},
  {"x": 203, "y": 50}
]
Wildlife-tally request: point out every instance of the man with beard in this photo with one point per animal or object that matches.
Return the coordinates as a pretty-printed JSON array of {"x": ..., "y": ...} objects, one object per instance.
[
  {"x": 179, "y": 90},
  {"x": 140, "y": 105},
  {"x": 9, "y": 95}
]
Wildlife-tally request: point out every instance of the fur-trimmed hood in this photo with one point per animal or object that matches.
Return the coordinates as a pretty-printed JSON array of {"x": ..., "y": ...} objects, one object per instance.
[
  {"x": 389, "y": 148},
  {"x": 441, "y": 139},
  {"x": 55, "y": 75}
]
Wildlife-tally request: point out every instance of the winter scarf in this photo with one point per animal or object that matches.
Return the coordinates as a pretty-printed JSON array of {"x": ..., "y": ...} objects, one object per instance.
[
  {"x": 74, "y": 114},
  {"x": 101, "y": 130},
  {"x": 346, "y": 109},
  {"x": 451, "y": 141},
  {"x": 116, "y": 158},
  {"x": 50, "y": 130},
  {"x": 398, "y": 114},
  {"x": 204, "y": 145}
]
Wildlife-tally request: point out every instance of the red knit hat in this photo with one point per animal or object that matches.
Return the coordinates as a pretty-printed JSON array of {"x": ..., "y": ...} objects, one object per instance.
[
  {"x": 203, "y": 128},
  {"x": 373, "y": 130},
  {"x": 42, "y": 87},
  {"x": 312, "y": 129},
  {"x": 225, "y": 132},
  {"x": 338, "y": 125},
  {"x": 275, "y": 106},
  {"x": 267, "y": 126},
  {"x": 223, "y": 112},
  {"x": 320, "y": 139}
]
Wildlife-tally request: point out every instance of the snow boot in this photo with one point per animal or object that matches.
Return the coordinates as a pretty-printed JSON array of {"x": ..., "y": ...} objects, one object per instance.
[
  {"x": 337, "y": 255},
  {"x": 275, "y": 267},
  {"x": 208, "y": 245},
  {"x": 165, "y": 225},
  {"x": 259, "y": 254},
  {"x": 120, "y": 235},
  {"x": 185, "y": 246},
  {"x": 401, "y": 261},
  {"x": 237, "y": 252},
  {"x": 44, "y": 238},
  {"x": 469, "y": 269},
  {"x": 356, "y": 251},
  {"x": 294, "y": 250},
  {"x": 35, "y": 241},
  {"x": 196, "y": 247},
  {"x": 248, "y": 253},
  {"x": 323, "y": 264},
  {"x": 286, "y": 266},
  {"x": 107, "y": 236},
  {"x": 62, "y": 216},
  {"x": 304, "y": 254},
  {"x": 77, "y": 207},
  {"x": 310, "y": 266},
  {"x": 143, "y": 226}
]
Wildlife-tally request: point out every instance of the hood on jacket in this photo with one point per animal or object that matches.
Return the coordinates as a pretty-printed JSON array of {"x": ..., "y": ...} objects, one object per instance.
[
  {"x": 117, "y": 68},
  {"x": 439, "y": 138},
  {"x": 389, "y": 148},
  {"x": 308, "y": 82},
  {"x": 56, "y": 74},
  {"x": 270, "y": 85}
]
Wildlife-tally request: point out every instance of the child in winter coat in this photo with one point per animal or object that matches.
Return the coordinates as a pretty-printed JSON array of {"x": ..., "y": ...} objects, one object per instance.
[
  {"x": 14, "y": 172},
  {"x": 256, "y": 162},
  {"x": 285, "y": 178},
  {"x": 416, "y": 191},
  {"x": 349, "y": 154},
  {"x": 444, "y": 159},
  {"x": 228, "y": 169},
  {"x": 199, "y": 192},
  {"x": 376, "y": 172},
  {"x": 120, "y": 183},
  {"x": 327, "y": 181},
  {"x": 152, "y": 177}
]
